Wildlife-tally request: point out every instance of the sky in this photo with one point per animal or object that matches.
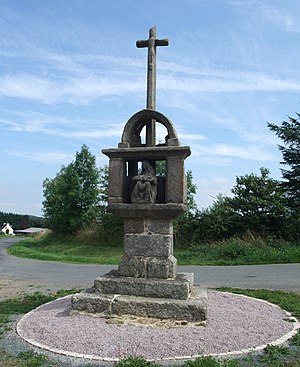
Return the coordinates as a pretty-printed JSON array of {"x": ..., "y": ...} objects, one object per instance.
[{"x": 70, "y": 74}]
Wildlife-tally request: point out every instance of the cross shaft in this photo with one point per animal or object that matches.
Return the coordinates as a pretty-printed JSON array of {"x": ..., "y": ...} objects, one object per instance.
[{"x": 151, "y": 43}]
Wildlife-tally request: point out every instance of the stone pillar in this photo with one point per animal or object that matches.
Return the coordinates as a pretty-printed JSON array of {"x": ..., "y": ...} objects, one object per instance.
[
  {"x": 175, "y": 193},
  {"x": 116, "y": 185},
  {"x": 148, "y": 249}
]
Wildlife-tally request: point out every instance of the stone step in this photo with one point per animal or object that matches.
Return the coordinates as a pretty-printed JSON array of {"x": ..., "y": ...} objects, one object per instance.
[
  {"x": 193, "y": 309},
  {"x": 177, "y": 288}
]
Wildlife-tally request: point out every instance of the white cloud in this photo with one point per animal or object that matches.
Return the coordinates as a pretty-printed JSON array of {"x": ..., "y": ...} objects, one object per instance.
[
  {"x": 280, "y": 17},
  {"x": 73, "y": 82},
  {"x": 79, "y": 90},
  {"x": 191, "y": 137},
  {"x": 252, "y": 152},
  {"x": 285, "y": 18},
  {"x": 27, "y": 86},
  {"x": 253, "y": 132},
  {"x": 39, "y": 125},
  {"x": 233, "y": 81},
  {"x": 94, "y": 134},
  {"x": 43, "y": 157},
  {"x": 210, "y": 159}
]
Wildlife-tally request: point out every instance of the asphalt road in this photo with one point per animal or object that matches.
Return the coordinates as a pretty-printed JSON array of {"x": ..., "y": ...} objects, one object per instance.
[{"x": 65, "y": 276}]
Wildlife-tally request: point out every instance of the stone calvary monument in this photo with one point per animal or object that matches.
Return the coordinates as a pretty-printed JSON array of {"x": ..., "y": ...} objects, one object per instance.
[{"x": 146, "y": 283}]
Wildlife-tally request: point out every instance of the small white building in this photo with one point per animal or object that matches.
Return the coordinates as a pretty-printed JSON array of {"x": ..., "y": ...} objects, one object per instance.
[
  {"x": 7, "y": 229},
  {"x": 30, "y": 231}
]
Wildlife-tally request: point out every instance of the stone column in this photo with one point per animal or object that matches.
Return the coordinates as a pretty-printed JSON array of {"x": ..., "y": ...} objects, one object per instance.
[
  {"x": 175, "y": 193},
  {"x": 116, "y": 185},
  {"x": 148, "y": 249}
]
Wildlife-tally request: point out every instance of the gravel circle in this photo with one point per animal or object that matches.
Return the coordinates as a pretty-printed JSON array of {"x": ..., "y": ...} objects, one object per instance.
[{"x": 236, "y": 324}]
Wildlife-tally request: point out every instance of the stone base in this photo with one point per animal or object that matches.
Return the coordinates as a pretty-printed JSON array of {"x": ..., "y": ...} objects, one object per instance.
[
  {"x": 193, "y": 309},
  {"x": 178, "y": 288}
]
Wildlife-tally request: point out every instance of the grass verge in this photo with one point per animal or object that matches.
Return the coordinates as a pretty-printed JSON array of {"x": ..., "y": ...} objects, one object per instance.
[
  {"x": 240, "y": 251},
  {"x": 273, "y": 356},
  {"x": 18, "y": 306},
  {"x": 67, "y": 249},
  {"x": 89, "y": 250}
]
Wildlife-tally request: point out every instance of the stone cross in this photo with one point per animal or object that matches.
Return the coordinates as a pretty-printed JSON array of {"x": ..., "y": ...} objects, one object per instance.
[
  {"x": 146, "y": 282},
  {"x": 151, "y": 43}
]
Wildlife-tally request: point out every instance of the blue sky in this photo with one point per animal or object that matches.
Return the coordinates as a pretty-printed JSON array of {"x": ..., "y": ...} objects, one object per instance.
[{"x": 70, "y": 74}]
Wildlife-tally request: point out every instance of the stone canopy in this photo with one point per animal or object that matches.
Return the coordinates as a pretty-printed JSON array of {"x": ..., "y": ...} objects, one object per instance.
[{"x": 131, "y": 153}]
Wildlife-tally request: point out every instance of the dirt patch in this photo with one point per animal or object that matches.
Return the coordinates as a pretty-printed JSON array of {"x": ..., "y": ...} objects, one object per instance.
[{"x": 11, "y": 288}]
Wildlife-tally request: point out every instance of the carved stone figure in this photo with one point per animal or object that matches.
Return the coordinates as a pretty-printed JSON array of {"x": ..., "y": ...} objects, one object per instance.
[{"x": 145, "y": 188}]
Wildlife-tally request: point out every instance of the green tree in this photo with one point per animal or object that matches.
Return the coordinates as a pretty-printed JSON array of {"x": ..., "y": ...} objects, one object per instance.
[
  {"x": 89, "y": 176},
  {"x": 72, "y": 197},
  {"x": 191, "y": 192},
  {"x": 257, "y": 203},
  {"x": 103, "y": 181},
  {"x": 289, "y": 133},
  {"x": 185, "y": 225},
  {"x": 215, "y": 222}
]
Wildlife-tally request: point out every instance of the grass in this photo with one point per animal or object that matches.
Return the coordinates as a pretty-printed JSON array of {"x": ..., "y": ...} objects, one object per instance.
[
  {"x": 21, "y": 305},
  {"x": 273, "y": 356},
  {"x": 31, "y": 359},
  {"x": 89, "y": 250},
  {"x": 198, "y": 362},
  {"x": 135, "y": 362},
  {"x": 236, "y": 251},
  {"x": 67, "y": 249}
]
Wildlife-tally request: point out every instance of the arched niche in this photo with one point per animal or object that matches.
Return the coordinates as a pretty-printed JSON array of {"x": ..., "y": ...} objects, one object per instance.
[{"x": 131, "y": 136}]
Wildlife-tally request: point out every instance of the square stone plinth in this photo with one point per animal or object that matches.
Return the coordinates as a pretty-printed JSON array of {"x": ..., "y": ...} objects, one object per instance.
[
  {"x": 193, "y": 309},
  {"x": 178, "y": 288},
  {"x": 148, "y": 267},
  {"x": 145, "y": 244}
]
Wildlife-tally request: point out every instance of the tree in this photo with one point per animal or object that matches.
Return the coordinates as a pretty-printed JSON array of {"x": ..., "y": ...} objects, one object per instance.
[
  {"x": 184, "y": 226},
  {"x": 257, "y": 204},
  {"x": 72, "y": 197},
  {"x": 89, "y": 176},
  {"x": 289, "y": 133},
  {"x": 103, "y": 181},
  {"x": 191, "y": 188},
  {"x": 215, "y": 222}
]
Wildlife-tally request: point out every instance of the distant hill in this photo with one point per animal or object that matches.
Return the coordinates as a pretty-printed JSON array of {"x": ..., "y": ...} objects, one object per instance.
[{"x": 22, "y": 221}]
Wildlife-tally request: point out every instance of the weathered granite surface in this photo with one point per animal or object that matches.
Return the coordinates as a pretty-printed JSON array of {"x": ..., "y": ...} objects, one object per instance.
[
  {"x": 148, "y": 267},
  {"x": 144, "y": 244},
  {"x": 153, "y": 210},
  {"x": 148, "y": 225},
  {"x": 192, "y": 309},
  {"x": 178, "y": 288}
]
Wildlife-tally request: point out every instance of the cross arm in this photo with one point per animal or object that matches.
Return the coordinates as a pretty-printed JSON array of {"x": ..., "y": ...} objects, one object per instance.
[
  {"x": 163, "y": 42},
  {"x": 140, "y": 44},
  {"x": 145, "y": 43}
]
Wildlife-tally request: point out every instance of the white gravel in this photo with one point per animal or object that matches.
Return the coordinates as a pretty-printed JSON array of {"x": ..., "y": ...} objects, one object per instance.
[{"x": 234, "y": 323}]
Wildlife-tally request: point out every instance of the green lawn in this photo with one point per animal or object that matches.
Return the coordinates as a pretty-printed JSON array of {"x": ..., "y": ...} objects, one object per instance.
[
  {"x": 287, "y": 355},
  {"x": 231, "y": 252}
]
